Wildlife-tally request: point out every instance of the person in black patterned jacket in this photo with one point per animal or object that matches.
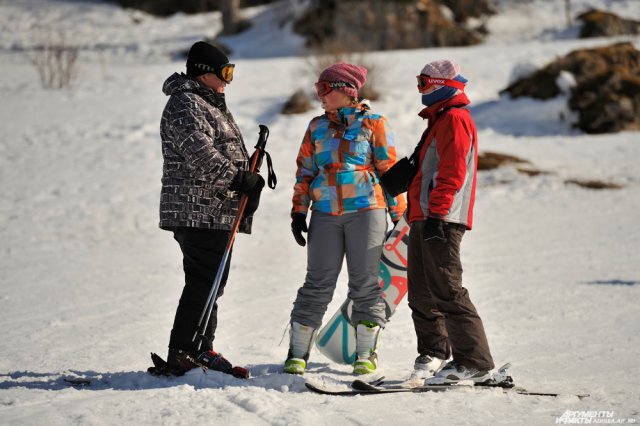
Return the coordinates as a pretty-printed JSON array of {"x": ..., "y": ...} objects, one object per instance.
[{"x": 205, "y": 173}]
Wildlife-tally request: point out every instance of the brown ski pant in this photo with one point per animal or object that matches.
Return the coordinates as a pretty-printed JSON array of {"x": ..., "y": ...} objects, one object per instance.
[{"x": 445, "y": 320}]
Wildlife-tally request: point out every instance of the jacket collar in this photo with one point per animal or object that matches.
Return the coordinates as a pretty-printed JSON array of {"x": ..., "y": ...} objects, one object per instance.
[
  {"x": 347, "y": 115},
  {"x": 177, "y": 83},
  {"x": 432, "y": 111}
]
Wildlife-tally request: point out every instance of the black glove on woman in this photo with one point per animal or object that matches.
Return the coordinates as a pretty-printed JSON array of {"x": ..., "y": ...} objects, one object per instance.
[
  {"x": 434, "y": 230},
  {"x": 298, "y": 226}
]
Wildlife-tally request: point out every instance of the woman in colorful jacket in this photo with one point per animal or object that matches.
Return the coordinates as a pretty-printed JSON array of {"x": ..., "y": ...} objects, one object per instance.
[{"x": 343, "y": 154}]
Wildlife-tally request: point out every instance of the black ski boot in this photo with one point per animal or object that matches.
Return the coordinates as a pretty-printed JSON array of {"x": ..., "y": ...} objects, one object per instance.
[
  {"x": 213, "y": 360},
  {"x": 178, "y": 362}
]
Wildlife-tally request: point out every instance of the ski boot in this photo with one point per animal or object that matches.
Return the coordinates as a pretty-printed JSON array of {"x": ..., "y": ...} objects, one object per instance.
[
  {"x": 424, "y": 367},
  {"x": 367, "y": 334},
  {"x": 178, "y": 362},
  {"x": 301, "y": 338},
  {"x": 213, "y": 360},
  {"x": 454, "y": 373}
]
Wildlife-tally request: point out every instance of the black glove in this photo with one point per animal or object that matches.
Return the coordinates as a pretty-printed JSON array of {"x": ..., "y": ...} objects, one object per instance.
[
  {"x": 298, "y": 226},
  {"x": 434, "y": 230},
  {"x": 247, "y": 182},
  {"x": 252, "y": 204}
]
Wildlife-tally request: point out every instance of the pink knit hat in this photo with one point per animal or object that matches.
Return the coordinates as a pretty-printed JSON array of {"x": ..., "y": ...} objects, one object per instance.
[
  {"x": 443, "y": 68},
  {"x": 347, "y": 73}
]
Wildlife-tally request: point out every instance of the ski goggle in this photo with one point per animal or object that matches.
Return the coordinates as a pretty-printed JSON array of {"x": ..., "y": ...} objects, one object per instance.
[
  {"x": 223, "y": 72},
  {"x": 425, "y": 83},
  {"x": 324, "y": 87}
]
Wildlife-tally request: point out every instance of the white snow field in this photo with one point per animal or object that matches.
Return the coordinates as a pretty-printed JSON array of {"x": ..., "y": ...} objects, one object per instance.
[{"x": 90, "y": 284}]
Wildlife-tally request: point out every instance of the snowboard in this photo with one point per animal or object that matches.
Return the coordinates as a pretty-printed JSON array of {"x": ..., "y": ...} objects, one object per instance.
[{"x": 337, "y": 339}]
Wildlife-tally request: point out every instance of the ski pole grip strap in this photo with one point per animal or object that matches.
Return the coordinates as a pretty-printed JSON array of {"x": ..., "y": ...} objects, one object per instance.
[
  {"x": 271, "y": 174},
  {"x": 261, "y": 151}
]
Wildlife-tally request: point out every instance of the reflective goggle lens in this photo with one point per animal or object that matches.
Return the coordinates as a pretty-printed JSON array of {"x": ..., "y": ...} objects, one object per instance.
[
  {"x": 226, "y": 72},
  {"x": 324, "y": 87},
  {"x": 425, "y": 83}
]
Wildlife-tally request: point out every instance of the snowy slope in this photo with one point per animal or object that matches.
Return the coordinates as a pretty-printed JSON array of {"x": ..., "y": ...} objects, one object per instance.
[{"x": 90, "y": 284}]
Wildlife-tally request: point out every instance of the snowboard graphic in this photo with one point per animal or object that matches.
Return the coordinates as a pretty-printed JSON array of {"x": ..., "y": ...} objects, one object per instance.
[{"x": 337, "y": 339}]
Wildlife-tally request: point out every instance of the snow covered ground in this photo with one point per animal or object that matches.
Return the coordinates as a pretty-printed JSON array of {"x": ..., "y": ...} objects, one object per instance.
[{"x": 90, "y": 284}]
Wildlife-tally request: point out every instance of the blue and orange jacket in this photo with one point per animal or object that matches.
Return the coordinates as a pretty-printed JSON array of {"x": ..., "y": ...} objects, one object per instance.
[{"x": 341, "y": 158}]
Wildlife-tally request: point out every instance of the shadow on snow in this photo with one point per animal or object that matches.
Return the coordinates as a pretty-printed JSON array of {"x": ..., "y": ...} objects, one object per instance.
[
  {"x": 613, "y": 282},
  {"x": 267, "y": 376}
]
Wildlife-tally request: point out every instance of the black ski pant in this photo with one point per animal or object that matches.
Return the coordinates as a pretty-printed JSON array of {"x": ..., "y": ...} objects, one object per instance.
[
  {"x": 445, "y": 320},
  {"x": 202, "y": 251}
]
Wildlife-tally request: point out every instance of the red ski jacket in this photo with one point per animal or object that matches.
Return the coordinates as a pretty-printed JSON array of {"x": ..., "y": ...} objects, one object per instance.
[{"x": 445, "y": 184}]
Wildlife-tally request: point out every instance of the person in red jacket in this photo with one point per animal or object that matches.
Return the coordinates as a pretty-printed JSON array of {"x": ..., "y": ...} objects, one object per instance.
[{"x": 441, "y": 198}]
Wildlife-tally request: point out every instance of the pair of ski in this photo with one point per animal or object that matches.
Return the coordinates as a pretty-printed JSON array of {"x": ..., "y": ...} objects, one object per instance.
[
  {"x": 360, "y": 387},
  {"x": 500, "y": 380}
]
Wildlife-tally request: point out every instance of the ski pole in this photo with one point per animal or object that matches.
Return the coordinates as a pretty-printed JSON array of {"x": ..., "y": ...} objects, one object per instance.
[{"x": 256, "y": 162}]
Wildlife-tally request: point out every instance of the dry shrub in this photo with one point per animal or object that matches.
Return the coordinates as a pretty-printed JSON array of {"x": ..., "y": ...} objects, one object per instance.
[
  {"x": 532, "y": 172},
  {"x": 593, "y": 184},
  {"x": 298, "y": 103},
  {"x": 55, "y": 62},
  {"x": 332, "y": 51},
  {"x": 492, "y": 160}
]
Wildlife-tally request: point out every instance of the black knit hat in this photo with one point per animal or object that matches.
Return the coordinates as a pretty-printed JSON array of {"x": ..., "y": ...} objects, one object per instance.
[{"x": 203, "y": 58}]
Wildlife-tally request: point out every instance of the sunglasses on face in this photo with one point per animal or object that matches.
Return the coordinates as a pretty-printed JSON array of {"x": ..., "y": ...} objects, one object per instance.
[
  {"x": 324, "y": 87},
  {"x": 223, "y": 72},
  {"x": 425, "y": 83}
]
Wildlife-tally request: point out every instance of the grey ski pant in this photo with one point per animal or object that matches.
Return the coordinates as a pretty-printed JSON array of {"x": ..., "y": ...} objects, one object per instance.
[{"x": 358, "y": 235}]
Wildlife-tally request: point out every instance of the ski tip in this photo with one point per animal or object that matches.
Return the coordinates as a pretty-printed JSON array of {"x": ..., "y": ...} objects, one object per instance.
[{"x": 504, "y": 368}]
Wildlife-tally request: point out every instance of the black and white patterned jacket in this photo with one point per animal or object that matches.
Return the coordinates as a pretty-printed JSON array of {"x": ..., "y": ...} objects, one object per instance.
[{"x": 202, "y": 149}]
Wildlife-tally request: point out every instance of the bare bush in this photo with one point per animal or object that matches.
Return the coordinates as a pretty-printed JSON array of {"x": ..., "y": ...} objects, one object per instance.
[
  {"x": 55, "y": 63},
  {"x": 298, "y": 103},
  {"x": 333, "y": 51}
]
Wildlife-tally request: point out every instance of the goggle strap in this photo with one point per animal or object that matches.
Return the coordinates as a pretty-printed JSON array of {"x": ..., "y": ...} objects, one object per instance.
[
  {"x": 324, "y": 87},
  {"x": 217, "y": 71},
  {"x": 442, "y": 82}
]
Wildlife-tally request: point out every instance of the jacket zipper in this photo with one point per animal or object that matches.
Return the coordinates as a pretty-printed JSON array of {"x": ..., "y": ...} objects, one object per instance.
[{"x": 341, "y": 159}]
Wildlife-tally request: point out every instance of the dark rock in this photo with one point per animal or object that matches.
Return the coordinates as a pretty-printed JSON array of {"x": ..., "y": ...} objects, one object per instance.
[
  {"x": 541, "y": 85},
  {"x": 465, "y": 9},
  {"x": 169, "y": 7},
  {"x": 608, "y": 102},
  {"x": 597, "y": 23},
  {"x": 607, "y": 91},
  {"x": 382, "y": 25},
  {"x": 583, "y": 64}
]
